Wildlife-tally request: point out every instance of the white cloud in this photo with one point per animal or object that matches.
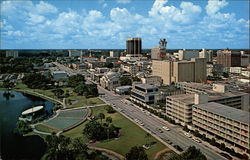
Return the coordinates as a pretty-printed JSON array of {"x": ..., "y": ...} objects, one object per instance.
[
  {"x": 104, "y": 5},
  {"x": 214, "y": 6},
  {"x": 35, "y": 19},
  {"x": 123, "y": 1},
  {"x": 45, "y": 8}
]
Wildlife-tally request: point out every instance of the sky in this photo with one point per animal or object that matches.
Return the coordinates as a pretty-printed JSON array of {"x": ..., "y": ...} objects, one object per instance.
[{"x": 106, "y": 24}]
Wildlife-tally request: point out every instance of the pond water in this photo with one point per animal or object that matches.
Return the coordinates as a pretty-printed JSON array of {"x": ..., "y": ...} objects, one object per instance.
[{"x": 14, "y": 146}]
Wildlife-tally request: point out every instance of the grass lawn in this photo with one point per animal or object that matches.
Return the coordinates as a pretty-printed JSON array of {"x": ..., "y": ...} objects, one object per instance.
[
  {"x": 83, "y": 101},
  {"x": 43, "y": 128},
  {"x": 131, "y": 135}
]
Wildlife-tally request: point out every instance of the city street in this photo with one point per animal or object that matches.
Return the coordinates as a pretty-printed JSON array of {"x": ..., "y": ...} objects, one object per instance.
[{"x": 153, "y": 124}]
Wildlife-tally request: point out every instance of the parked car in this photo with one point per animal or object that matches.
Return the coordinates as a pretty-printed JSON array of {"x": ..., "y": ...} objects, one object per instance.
[
  {"x": 197, "y": 140},
  {"x": 160, "y": 130},
  {"x": 166, "y": 128},
  {"x": 226, "y": 156},
  {"x": 178, "y": 148},
  {"x": 188, "y": 135}
]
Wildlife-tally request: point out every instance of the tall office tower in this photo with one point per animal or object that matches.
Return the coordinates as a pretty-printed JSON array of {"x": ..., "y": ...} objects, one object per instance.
[
  {"x": 229, "y": 58},
  {"x": 70, "y": 54},
  {"x": 159, "y": 53},
  {"x": 134, "y": 46},
  {"x": 12, "y": 53},
  {"x": 180, "y": 71}
]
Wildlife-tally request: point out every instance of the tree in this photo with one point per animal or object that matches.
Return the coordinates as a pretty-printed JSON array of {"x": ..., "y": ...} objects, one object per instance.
[
  {"x": 136, "y": 79},
  {"x": 109, "y": 65},
  {"x": 36, "y": 81},
  {"x": 147, "y": 137},
  {"x": 94, "y": 130},
  {"x": 7, "y": 84},
  {"x": 125, "y": 81},
  {"x": 225, "y": 74},
  {"x": 91, "y": 90},
  {"x": 101, "y": 116},
  {"x": 80, "y": 89},
  {"x": 22, "y": 128},
  {"x": 76, "y": 80},
  {"x": 58, "y": 92},
  {"x": 109, "y": 109},
  {"x": 109, "y": 121},
  {"x": 190, "y": 153},
  {"x": 136, "y": 153}
]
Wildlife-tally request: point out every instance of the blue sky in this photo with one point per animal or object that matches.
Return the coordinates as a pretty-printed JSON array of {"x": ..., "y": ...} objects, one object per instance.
[{"x": 90, "y": 24}]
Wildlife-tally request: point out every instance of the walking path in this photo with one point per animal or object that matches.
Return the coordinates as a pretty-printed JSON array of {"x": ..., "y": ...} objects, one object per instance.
[
  {"x": 42, "y": 95},
  {"x": 108, "y": 151}
]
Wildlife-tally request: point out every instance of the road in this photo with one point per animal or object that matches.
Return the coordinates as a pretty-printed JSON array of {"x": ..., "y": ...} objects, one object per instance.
[
  {"x": 152, "y": 124},
  {"x": 68, "y": 70}
]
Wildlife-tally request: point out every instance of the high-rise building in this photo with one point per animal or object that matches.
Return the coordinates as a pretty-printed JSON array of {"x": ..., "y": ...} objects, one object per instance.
[
  {"x": 158, "y": 53},
  {"x": 180, "y": 71},
  {"x": 229, "y": 58},
  {"x": 11, "y": 53},
  {"x": 208, "y": 54},
  {"x": 134, "y": 46},
  {"x": 187, "y": 54}
]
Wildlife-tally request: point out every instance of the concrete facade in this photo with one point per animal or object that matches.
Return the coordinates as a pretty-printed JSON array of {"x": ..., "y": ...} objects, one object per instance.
[{"x": 178, "y": 71}]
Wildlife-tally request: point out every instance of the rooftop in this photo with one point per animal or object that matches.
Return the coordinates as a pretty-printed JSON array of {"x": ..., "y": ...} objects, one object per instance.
[
  {"x": 56, "y": 72},
  {"x": 226, "y": 111},
  {"x": 184, "y": 98},
  {"x": 145, "y": 86}
]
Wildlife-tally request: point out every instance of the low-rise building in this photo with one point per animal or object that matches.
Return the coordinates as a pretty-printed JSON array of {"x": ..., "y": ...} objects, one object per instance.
[
  {"x": 123, "y": 89},
  {"x": 153, "y": 80},
  {"x": 110, "y": 80},
  {"x": 130, "y": 68},
  {"x": 226, "y": 124},
  {"x": 145, "y": 93},
  {"x": 59, "y": 75}
]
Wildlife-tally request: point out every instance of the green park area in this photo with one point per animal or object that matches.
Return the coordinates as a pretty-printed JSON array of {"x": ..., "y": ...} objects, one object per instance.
[
  {"x": 72, "y": 101},
  {"x": 131, "y": 135}
]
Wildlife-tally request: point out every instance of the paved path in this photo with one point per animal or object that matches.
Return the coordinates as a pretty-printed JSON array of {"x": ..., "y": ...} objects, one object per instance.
[
  {"x": 42, "y": 95},
  {"x": 108, "y": 151}
]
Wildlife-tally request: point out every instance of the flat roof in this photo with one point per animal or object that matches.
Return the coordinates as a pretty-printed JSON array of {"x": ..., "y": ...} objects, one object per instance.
[
  {"x": 184, "y": 98},
  {"x": 145, "y": 86},
  {"x": 124, "y": 87},
  {"x": 32, "y": 110},
  {"x": 226, "y": 111},
  {"x": 59, "y": 72}
]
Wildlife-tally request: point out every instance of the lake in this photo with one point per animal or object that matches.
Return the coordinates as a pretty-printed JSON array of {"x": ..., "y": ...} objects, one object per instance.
[{"x": 13, "y": 146}]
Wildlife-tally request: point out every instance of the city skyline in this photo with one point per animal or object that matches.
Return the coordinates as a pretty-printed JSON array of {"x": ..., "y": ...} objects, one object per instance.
[{"x": 107, "y": 24}]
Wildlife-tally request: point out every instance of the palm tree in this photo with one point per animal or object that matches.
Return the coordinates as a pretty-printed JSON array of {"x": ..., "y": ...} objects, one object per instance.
[
  {"x": 108, "y": 120},
  {"x": 101, "y": 116}
]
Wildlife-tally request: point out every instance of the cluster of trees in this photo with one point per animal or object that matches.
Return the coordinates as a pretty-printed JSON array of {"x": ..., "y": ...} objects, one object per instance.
[
  {"x": 190, "y": 153},
  {"x": 17, "y": 65},
  {"x": 76, "y": 80},
  {"x": 37, "y": 81},
  {"x": 109, "y": 65},
  {"x": 95, "y": 130},
  {"x": 109, "y": 109},
  {"x": 78, "y": 83},
  {"x": 63, "y": 148},
  {"x": 87, "y": 90},
  {"x": 22, "y": 128},
  {"x": 128, "y": 80},
  {"x": 136, "y": 153}
]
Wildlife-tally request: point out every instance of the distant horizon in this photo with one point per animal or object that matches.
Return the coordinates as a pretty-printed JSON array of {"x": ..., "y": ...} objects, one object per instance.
[{"x": 108, "y": 23}]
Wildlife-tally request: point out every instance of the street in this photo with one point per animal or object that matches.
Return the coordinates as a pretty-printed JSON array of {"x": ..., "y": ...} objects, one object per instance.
[{"x": 153, "y": 124}]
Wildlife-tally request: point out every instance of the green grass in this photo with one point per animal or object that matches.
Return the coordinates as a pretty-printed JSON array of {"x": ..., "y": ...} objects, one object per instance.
[
  {"x": 131, "y": 135},
  {"x": 77, "y": 132},
  {"x": 83, "y": 101},
  {"x": 43, "y": 128}
]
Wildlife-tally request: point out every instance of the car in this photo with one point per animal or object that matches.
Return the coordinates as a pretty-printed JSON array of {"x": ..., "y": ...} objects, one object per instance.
[
  {"x": 188, "y": 135},
  {"x": 142, "y": 124},
  {"x": 168, "y": 141},
  {"x": 160, "y": 130},
  {"x": 166, "y": 128},
  {"x": 178, "y": 148},
  {"x": 197, "y": 140}
]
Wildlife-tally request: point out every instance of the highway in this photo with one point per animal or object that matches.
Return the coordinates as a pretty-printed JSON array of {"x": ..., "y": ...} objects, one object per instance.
[{"x": 152, "y": 124}]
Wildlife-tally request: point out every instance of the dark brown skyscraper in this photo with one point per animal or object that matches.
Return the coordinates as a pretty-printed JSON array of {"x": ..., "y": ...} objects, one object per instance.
[
  {"x": 134, "y": 46},
  {"x": 229, "y": 58}
]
